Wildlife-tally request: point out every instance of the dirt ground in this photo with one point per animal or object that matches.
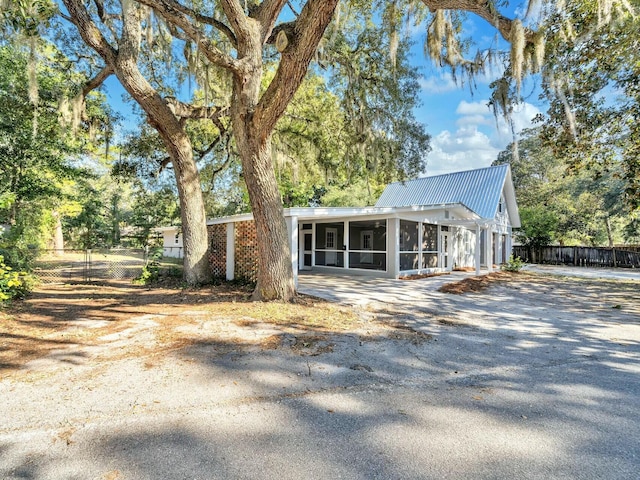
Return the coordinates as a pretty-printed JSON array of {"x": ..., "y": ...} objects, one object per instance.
[
  {"x": 121, "y": 320},
  {"x": 62, "y": 319},
  {"x": 98, "y": 358}
]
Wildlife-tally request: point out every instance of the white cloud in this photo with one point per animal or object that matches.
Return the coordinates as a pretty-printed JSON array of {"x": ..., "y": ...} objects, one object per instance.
[
  {"x": 440, "y": 83},
  {"x": 470, "y": 147},
  {"x": 465, "y": 149},
  {"x": 475, "y": 120},
  {"x": 473, "y": 108}
]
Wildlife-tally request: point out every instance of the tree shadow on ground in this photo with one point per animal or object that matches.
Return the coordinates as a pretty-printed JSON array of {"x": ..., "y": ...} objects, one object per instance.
[{"x": 534, "y": 381}]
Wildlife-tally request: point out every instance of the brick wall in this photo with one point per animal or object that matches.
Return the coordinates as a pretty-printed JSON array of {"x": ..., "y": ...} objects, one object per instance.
[
  {"x": 246, "y": 251},
  {"x": 218, "y": 250}
]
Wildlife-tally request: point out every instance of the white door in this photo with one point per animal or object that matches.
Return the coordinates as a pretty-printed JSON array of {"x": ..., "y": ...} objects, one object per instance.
[
  {"x": 366, "y": 242},
  {"x": 330, "y": 242},
  {"x": 445, "y": 249}
]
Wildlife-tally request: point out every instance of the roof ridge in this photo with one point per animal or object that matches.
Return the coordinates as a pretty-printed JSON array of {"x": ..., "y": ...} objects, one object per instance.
[{"x": 449, "y": 174}]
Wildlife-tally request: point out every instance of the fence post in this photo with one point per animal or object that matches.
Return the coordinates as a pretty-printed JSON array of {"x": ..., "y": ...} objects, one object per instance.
[{"x": 615, "y": 261}]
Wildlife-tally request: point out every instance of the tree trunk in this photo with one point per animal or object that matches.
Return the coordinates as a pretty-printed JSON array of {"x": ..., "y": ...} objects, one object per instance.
[
  {"x": 607, "y": 222},
  {"x": 253, "y": 139},
  {"x": 193, "y": 216},
  {"x": 275, "y": 274},
  {"x": 176, "y": 140},
  {"x": 58, "y": 239},
  {"x": 123, "y": 61},
  {"x": 192, "y": 212}
]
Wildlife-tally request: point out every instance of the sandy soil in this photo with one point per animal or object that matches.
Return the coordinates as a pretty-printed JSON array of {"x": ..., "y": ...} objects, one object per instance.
[{"x": 76, "y": 356}]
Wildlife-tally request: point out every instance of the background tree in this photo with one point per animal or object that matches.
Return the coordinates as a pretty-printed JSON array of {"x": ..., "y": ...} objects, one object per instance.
[
  {"x": 231, "y": 43},
  {"x": 559, "y": 206},
  {"x": 39, "y": 154},
  {"x": 591, "y": 81}
]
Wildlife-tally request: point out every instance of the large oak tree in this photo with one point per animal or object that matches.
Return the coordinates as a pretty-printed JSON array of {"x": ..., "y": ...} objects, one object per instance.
[{"x": 234, "y": 36}]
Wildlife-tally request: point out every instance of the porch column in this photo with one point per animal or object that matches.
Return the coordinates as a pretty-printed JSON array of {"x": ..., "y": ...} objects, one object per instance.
[
  {"x": 346, "y": 244},
  {"x": 393, "y": 252},
  {"x": 292, "y": 227},
  {"x": 477, "y": 252},
  {"x": 231, "y": 250},
  {"x": 490, "y": 248}
]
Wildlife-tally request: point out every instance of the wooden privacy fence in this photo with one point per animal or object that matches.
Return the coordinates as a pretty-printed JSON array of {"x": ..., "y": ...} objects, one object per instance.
[{"x": 579, "y": 256}]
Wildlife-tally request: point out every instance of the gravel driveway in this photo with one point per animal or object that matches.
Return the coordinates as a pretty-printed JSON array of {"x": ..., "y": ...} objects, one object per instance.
[{"x": 534, "y": 378}]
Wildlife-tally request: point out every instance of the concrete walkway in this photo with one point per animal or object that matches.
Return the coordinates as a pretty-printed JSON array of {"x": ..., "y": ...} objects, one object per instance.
[
  {"x": 373, "y": 292},
  {"x": 378, "y": 293}
]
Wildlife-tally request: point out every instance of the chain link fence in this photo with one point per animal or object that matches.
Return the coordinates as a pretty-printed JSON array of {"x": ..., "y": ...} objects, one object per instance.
[{"x": 97, "y": 265}]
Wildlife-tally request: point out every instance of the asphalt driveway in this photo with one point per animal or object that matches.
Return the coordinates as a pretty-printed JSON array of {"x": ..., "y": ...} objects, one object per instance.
[{"x": 536, "y": 378}]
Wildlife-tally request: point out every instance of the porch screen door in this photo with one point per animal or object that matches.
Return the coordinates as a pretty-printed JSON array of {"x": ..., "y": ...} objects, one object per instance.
[
  {"x": 445, "y": 249},
  {"x": 331, "y": 237}
]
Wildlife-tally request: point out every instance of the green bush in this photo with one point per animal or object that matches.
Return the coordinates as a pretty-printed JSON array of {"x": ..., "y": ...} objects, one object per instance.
[
  {"x": 151, "y": 271},
  {"x": 513, "y": 264},
  {"x": 13, "y": 284},
  {"x": 18, "y": 258}
]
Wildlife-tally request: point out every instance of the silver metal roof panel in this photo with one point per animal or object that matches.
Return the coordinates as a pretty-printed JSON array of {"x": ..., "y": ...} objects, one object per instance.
[{"x": 478, "y": 189}]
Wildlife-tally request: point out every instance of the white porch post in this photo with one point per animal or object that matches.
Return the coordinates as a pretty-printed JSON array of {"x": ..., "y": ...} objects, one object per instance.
[
  {"x": 477, "y": 252},
  {"x": 393, "y": 252},
  {"x": 292, "y": 226},
  {"x": 490, "y": 248},
  {"x": 346, "y": 244},
  {"x": 231, "y": 249}
]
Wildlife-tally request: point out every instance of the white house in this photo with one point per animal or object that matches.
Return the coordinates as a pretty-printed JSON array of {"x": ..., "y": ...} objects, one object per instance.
[
  {"x": 428, "y": 225},
  {"x": 172, "y": 245}
]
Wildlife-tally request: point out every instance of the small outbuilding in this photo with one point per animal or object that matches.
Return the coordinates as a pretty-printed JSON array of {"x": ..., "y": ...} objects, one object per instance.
[{"x": 423, "y": 226}]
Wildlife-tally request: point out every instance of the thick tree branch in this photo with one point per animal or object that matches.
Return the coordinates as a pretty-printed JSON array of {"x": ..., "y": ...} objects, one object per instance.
[
  {"x": 482, "y": 8},
  {"x": 267, "y": 14},
  {"x": 170, "y": 10},
  {"x": 90, "y": 33},
  {"x": 184, "y": 110},
  {"x": 307, "y": 32},
  {"x": 96, "y": 81},
  {"x": 221, "y": 26},
  {"x": 100, "y": 7},
  {"x": 237, "y": 18}
]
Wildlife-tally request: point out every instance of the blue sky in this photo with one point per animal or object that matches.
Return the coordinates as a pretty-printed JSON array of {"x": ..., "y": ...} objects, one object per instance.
[{"x": 464, "y": 131}]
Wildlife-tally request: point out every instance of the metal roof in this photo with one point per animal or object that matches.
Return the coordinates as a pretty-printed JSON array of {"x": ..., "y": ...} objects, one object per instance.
[{"x": 479, "y": 190}]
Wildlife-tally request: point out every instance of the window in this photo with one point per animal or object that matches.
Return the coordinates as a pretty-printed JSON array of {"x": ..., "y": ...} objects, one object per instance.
[
  {"x": 367, "y": 240},
  {"x": 408, "y": 236},
  {"x": 429, "y": 237},
  {"x": 330, "y": 239},
  {"x": 409, "y": 245}
]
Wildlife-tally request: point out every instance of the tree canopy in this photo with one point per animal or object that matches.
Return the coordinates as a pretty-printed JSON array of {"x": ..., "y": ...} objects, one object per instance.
[{"x": 260, "y": 106}]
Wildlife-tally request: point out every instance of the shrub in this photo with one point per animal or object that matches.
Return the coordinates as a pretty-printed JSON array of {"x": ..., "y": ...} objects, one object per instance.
[
  {"x": 151, "y": 271},
  {"x": 13, "y": 284},
  {"x": 513, "y": 264}
]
